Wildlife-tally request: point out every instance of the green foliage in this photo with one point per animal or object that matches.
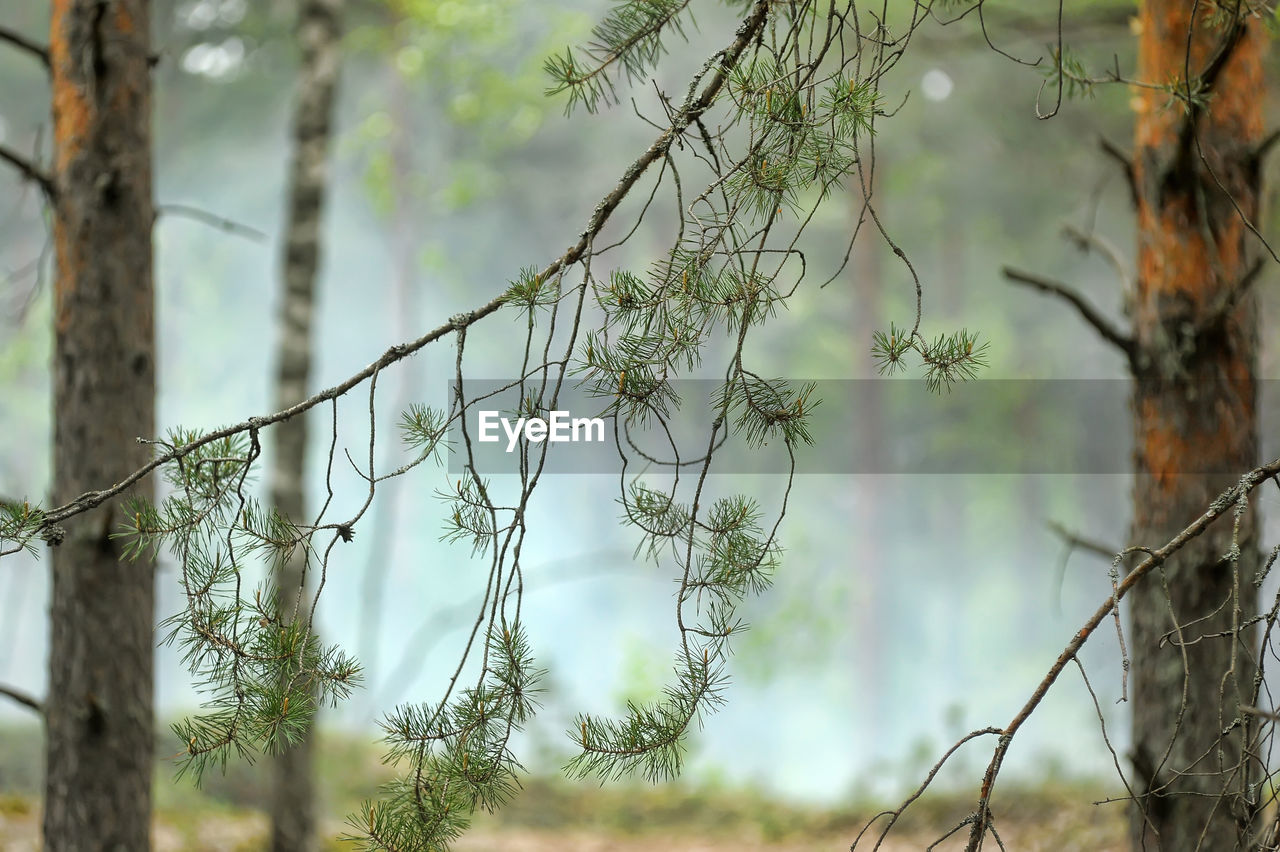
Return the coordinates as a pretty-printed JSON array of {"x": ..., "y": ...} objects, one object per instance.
[
  {"x": 947, "y": 359},
  {"x": 792, "y": 115},
  {"x": 766, "y": 408},
  {"x": 423, "y": 429},
  {"x": 466, "y": 59},
  {"x": 1069, "y": 70},
  {"x": 262, "y": 675},
  {"x": 457, "y": 753},
  {"x": 20, "y": 524},
  {"x": 531, "y": 292},
  {"x": 629, "y": 36},
  {"x": 470, "y": 515}
]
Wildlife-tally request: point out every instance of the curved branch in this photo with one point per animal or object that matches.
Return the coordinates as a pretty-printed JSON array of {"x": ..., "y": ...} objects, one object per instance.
[
  {"x": 1088, "y": 312},
  {"x": 1095, "y": 242},
  {"x": 26, "y": 45},
  {"x": 1221, "y": 506},
  {"x": 695, "y": 105},
  {"x": 1264, "y": 147},
  {"x": 28, "y": 170}
]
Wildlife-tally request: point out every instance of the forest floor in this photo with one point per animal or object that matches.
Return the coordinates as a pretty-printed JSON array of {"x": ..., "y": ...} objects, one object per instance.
[
  {"x": 1070, "y": 825},
  {"x": 554, "y": 815}
]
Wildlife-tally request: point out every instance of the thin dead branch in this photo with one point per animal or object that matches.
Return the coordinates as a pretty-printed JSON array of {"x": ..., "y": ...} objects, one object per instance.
[{"x": 1088, "y": 312}]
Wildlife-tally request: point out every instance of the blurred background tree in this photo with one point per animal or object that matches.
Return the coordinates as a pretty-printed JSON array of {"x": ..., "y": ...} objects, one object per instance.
[{"x": 221, "y": 115}]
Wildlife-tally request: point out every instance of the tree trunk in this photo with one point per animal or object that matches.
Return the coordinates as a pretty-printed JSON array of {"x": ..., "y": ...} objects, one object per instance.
[
  {"x": 1194, "y": 404},
  {"x": 293, "y": 818},
  {"x": 100, "y": 743}
]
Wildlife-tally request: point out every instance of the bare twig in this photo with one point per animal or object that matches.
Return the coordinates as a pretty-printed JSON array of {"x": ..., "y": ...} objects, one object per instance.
[
  {"x": 220, "y": 222},
  {"x": 28, "y": 170},
  {"x": 1125, "y": 162},
  {"x": 1269, "y": 715},
  {"x": 1227, "y": 303},
  {"x": 1221, "y": 506},
  {"x": 26, "y": 45},
  {"x": 1089, "y": 313},
  {"x": 1077, "y": 541},
  {"x": 26, "y": 700},
  {"x": 1264, "y": 147},
  {"x": 894, "y": 815},
  {"x": 1100, "y": 244}
]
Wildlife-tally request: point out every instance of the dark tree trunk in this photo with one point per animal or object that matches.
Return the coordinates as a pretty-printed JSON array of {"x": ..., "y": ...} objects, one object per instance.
[
  {"x": 293, "y": 821},
  {"x": 100, "y": 742},
  {"x": 1195, "y": 427}
]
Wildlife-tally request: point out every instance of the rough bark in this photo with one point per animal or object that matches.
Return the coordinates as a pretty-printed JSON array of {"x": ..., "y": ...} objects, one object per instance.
[
  {"x": 100, "y": 742},
  {"x": 293, "y": 821},
  {"x": 1195, "y": 426}
]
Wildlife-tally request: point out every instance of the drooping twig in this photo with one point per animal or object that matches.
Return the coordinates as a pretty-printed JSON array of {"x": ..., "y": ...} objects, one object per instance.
[{"x": 1088, "y": 312}]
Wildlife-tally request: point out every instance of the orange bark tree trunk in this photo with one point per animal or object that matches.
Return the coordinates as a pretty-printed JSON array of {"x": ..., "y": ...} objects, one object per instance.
[
  {"x": 1194, "y": 361},
  {"x": 100, "y": 741}
]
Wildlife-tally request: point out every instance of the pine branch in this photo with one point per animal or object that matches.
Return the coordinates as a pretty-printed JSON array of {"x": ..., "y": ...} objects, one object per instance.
[
  {"x": 25, "y": 44},
  {"x": 22, "y": 698},
  {"x": 28, "y": 170},
  {"x": 630, "y": 36},
  {"x": 693, "y": 108},
  {"x": 1089, "y": 313}
]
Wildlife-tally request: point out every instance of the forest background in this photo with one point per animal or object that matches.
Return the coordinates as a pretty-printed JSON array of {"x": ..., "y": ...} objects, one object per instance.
[{"x": 921, "y": 596}]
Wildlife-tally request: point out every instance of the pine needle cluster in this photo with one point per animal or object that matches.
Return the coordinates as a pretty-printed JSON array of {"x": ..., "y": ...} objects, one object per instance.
[{"x": 261, "y": 676}]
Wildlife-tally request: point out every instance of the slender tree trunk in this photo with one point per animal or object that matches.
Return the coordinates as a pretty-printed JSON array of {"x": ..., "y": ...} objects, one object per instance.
[
  {"x": 293, "y": 821},
  {"x": 1195, "y": 422},
  {"x": 100, "y": 741}
]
